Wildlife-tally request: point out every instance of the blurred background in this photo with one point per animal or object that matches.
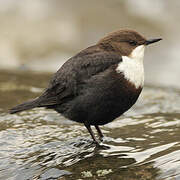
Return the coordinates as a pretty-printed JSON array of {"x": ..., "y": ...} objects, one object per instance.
[{"x": 40, "y": 35}]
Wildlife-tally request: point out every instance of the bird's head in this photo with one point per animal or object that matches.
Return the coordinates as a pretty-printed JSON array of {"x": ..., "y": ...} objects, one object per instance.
[{"x": 126, "y": 42}]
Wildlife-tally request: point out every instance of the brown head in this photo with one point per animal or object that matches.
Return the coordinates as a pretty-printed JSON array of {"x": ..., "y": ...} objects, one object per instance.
[{"x": 124, "y": 42}]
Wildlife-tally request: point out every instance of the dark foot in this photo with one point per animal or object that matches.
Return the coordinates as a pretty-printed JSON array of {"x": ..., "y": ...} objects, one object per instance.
[
  {"x": 91, "y": 133},
  {"x": 99, "y": 133},
  {"x": 96, "y": 143}
]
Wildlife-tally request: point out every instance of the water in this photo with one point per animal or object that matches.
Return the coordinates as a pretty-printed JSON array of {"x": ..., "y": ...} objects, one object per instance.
[{"x": 40, "y": 144}]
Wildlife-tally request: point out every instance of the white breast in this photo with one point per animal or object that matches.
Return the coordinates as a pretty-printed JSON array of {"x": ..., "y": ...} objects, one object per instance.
[{"x": 132, "y": 67}]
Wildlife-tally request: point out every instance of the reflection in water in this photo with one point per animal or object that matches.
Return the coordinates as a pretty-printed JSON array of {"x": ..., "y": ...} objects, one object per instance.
[{"x": 40, "y": 144}]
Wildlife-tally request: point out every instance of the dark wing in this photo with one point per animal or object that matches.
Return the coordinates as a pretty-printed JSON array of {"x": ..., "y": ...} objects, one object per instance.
[{"x": 76, "y": 70}]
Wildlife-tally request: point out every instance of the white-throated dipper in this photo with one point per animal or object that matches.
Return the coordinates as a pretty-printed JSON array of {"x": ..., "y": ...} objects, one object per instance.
[{"x": 98, "y": 84}]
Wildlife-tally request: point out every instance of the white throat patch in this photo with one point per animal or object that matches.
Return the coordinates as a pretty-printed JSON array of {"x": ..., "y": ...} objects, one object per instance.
[{"x": 132, "y": 66}]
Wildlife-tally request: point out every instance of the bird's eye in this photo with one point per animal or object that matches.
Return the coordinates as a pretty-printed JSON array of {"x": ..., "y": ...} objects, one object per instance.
[{"x": 133, "y": 43}]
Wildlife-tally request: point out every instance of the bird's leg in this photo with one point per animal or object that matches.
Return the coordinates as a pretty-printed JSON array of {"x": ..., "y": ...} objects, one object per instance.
[
  {"x": 99, "y": 133},
  {"x": 91, "y": 133}
]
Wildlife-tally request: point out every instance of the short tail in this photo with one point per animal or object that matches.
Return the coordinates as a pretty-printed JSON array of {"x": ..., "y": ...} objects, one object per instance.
[{"x": 24, "y": 106}]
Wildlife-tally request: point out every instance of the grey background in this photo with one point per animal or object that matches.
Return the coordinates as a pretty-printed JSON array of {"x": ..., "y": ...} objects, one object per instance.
[{"x": 40, "y": 35}]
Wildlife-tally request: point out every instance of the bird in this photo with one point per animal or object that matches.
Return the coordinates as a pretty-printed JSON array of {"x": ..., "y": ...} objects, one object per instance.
[{"x": 99, "y": 83}]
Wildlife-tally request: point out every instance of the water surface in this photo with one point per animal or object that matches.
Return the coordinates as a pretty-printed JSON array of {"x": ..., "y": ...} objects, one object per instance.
[{"x": 40, "y": 144}]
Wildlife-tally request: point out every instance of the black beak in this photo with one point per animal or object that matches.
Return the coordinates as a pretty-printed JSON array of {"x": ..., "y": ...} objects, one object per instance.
[{"x": 150, "y": 41}]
